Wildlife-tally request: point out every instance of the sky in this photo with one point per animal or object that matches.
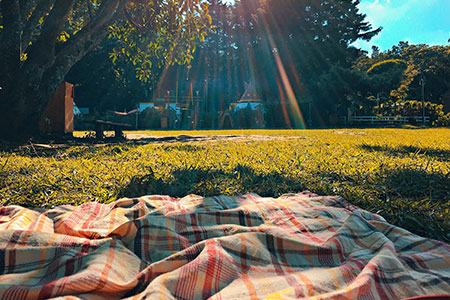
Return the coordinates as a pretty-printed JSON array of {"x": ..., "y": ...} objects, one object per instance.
[{"x": 415, "y": 21}]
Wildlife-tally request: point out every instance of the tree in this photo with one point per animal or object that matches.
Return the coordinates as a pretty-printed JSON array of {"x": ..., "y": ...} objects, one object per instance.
[{"x": 42, "y": 39}]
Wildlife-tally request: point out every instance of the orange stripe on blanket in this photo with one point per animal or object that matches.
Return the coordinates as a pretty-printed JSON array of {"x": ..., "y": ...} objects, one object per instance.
[{"x": 250, "y": 287}]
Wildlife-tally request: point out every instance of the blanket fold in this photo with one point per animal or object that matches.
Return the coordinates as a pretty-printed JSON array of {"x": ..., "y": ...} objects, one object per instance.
[{"x": 244, "y": 247}]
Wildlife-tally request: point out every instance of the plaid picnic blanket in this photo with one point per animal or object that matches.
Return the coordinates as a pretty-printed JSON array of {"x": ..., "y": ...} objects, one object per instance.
[{"x": 245, "y": 247}]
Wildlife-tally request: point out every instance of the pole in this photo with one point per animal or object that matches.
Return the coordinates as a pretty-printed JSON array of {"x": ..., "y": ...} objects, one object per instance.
[
  {"x": 309, "y": 117},
  {"x": 423, "y": 101},
  {"x": 137, "y": 114}
]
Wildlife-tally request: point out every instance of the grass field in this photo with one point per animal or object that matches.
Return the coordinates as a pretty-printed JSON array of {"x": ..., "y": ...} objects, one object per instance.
[{"x": 402, "y": 174}]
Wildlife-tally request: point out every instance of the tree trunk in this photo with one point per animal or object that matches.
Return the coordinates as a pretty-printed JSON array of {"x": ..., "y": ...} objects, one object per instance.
[
  {"x": 21, "y": 109},
  {"x": 17, "y": 122}
]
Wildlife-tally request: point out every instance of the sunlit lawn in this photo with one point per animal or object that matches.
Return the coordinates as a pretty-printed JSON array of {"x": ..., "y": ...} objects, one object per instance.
[{"x": 402, "y": 174}]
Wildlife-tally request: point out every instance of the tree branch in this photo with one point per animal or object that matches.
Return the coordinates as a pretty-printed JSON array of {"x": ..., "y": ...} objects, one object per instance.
[
  {"x": 41, "y": 56},
  {"x": 25, "y": 8},
  {"x": 80, "y": 44},
  {"x": 131, "y": 19},
  {"x": 31, "y": 26},
  {"x": 92, "y": 33},
  {"x": 11, "y": 23},
  {"x": 88, "y": 3},
  {"x": 43, "y": 50}
]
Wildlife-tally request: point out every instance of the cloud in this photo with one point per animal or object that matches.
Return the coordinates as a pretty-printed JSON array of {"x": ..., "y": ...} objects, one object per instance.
[{"x": 384, "y": 12}]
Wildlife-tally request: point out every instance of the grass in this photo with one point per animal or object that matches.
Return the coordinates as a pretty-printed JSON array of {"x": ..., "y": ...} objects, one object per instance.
[{"x": 401, "y": 174}]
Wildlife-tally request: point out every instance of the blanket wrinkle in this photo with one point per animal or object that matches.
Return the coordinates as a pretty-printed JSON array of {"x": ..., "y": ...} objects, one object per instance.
[{"x": 298, "y": 246}]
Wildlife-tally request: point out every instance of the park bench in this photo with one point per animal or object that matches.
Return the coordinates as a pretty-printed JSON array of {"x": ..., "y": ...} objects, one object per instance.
[
  {"x": 101, "y": 124},
  {"x": 388, "y": 119}
]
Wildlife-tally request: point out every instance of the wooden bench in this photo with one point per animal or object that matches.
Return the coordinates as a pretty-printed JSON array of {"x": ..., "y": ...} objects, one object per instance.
[{"x": 100, "y": 127}]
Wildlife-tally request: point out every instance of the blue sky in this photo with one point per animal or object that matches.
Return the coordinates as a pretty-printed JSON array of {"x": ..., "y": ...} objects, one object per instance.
[{"x": 416, "y": 21}]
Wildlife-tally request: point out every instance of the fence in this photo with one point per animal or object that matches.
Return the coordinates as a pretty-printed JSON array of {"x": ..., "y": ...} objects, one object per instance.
[{"x": 387, "y": 119}]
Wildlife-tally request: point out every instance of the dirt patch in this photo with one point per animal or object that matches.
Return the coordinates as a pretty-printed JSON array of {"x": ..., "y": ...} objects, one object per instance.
[
  {"x": 141, "y": 138},
  {"x": 350, "y": 132}
]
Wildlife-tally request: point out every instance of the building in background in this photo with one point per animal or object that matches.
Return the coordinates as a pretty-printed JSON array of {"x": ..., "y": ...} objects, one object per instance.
[{"x": 248, "y": 112}]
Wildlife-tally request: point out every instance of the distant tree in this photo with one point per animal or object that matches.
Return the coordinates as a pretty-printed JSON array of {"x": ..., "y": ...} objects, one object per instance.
[
  {"x": 375, "y": 50},
  {"x": 42, "y": 39}
]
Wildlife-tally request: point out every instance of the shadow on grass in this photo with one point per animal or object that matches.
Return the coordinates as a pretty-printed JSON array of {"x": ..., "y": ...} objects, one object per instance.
[
  {"x": 409, "y": 182},
  {"x": 213, "y": 182},
  {"x": 438, "y": 154},
  {"x": 406, "y": 184},
  {"x": 78, "y": 147},
  {"x": 418, "y": 202}
]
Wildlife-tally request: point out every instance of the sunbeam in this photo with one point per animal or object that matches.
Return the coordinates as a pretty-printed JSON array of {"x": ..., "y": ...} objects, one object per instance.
[{"x": 228, "y": 2}]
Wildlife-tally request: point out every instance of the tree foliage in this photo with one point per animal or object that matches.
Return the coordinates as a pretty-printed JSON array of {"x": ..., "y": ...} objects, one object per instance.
[{"x": 401, "y": 68}]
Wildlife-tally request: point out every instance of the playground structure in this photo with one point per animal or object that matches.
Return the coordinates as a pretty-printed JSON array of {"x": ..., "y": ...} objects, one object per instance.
[
  {"x": 246, "y": 113},
  {"x": 171, "y": 112}
]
